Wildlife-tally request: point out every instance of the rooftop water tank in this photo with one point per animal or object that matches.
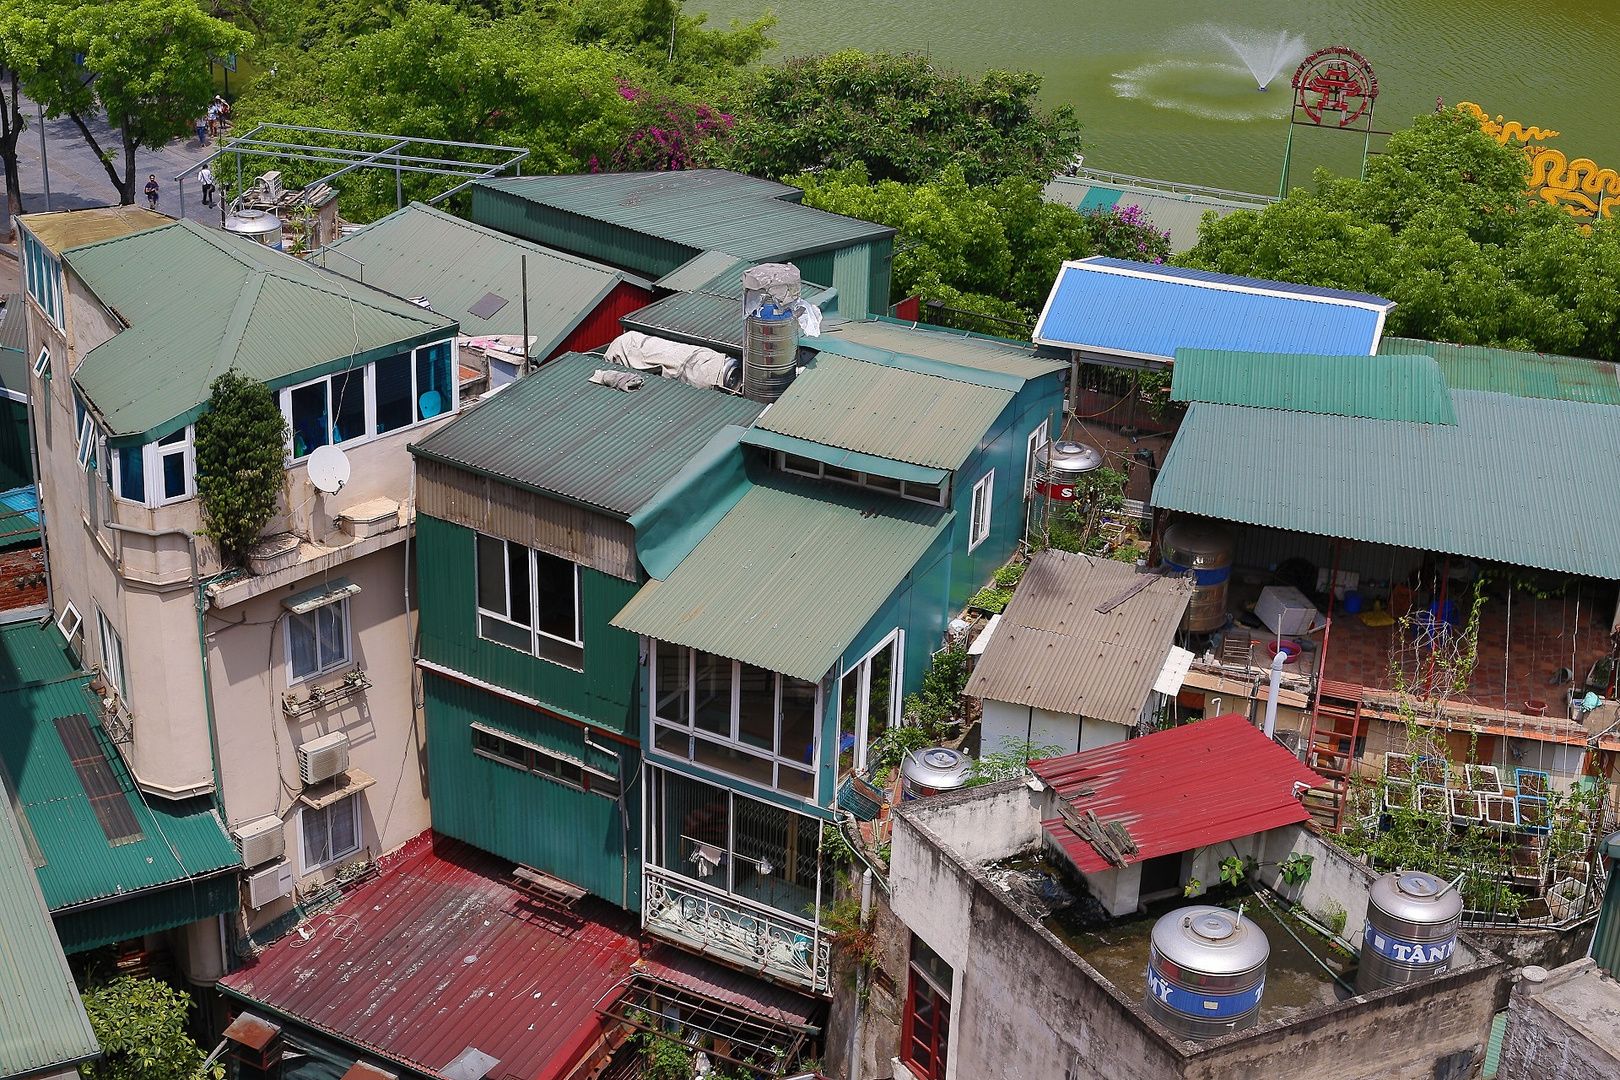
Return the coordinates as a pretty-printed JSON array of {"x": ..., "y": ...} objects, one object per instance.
[
  {"x": 932, "y": 771},
  {"x": 1206, "y": 550},
  {"x": 770, "y": 330},
  {"x": 1411, "y": 930},
  {"x": 1206, "y": 972},
  {"x": 260, "y": 226},
  {"x": 1060, "y": 464}
]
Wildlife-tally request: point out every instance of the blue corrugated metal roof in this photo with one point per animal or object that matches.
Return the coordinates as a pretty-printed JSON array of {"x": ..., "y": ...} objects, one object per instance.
[
  {"x": 1139, "y": 310},
  {"x": 1513, "y": 481}
]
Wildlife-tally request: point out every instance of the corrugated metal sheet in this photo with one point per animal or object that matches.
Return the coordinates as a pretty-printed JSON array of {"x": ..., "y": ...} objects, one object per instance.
[
  {"x": 42, "y": 1021},
  {"x": 702, "y": 269},
  {"x": 69, "y": 228},
  {"x": 1378, "y": 387},
  {"x": 444, "y": 955},
  {"x": 420, "y": 251},
  {"x": 700, "y": 209},
  {"x": 1507, "y": 371},
  {"x": 14, "y": 358},
  {"x": 972, "y": 351},
  {"x": 1053, "y": 650},
  {"x": 1512, "y": 481},
  {"x": 1192, "y": 786},
  {"x": 557, "y": 432},
  {"x": 199, "y": 301},
  {"x": 1606, "y": 938},
  {"x": 699, "y": 318},
  {"x": 788, "y": 577},
  {"x": 886, "y": 411},
  {"x": 1144, "y": 311},
  {"x": 845, "y": 459},
  {"x": 39, "y": 682},
  {"x": 601, "y": 326}
]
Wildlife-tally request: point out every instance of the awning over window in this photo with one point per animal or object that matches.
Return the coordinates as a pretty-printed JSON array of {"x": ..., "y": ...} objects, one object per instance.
[
  {"x": 329, "y": 593},
  {"x": 731, "y": 1031}
]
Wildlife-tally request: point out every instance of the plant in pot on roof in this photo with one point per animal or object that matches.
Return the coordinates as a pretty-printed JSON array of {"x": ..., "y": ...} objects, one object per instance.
[{"x": 240, "y": 448}]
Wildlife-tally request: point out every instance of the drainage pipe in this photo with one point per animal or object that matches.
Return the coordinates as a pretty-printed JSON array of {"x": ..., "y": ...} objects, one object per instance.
[{"x": 1277, "y": 662}]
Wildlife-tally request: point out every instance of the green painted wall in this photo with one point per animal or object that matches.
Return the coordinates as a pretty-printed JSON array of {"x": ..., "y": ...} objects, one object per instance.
[
  {"x": 16, "y": 464},
  {"x": 1606, "y": 938},
  {"x": 576, "y": 835},
  {"x": 597, "y": 240},
  {"x": 604, "y": 694}
]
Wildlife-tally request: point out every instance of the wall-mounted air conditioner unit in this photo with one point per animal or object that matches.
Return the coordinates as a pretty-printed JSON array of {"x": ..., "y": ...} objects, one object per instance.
[
  {"x": 323, "y": 758},
  {"x": 260, "y": 840},
  {"x": 270, "y": 884}
]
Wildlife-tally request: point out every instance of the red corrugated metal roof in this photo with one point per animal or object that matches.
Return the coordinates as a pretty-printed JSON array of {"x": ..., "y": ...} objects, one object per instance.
[
  {"x": 439, "y": 954},
  {"x": 1189, "y": 787},
  {"x": 742, "y": 992}
]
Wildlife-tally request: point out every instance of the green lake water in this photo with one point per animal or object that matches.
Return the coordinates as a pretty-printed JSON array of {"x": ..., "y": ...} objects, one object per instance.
[{"x": 1160, "y": 94}]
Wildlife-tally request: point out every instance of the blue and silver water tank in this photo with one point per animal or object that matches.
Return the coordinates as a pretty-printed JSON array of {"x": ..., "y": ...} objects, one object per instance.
[
  {"x": 1411, "y": 931},
  {"x": 1206, "y": 972},
  {"x": 1205, "y": 549}
]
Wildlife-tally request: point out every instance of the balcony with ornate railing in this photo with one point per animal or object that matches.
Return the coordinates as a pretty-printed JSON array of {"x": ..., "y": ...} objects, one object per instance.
[{"x": 772, "y": 943}]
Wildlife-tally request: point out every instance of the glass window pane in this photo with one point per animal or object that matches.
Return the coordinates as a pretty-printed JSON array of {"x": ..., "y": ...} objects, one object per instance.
[
  {"x": 331, "y": 623},
  {"x": 674, "y": 741},
  {"x": 176, "y": 438},
  {"x": 795, "y": 781},
  {"x": 132, "y": 474},
  {"x": 309, "y": 420},
  {"x": 518, "y": 637},
  {"x": 345, "y": 827},
  {"x": 556, "y": 612},
  {"x": 714, "y": 694},
  {"x": 315, "y": 837},
  {"x": 394, "y": 406},
  {"x": 883, "y": 483},
  {"x": 517, "y": 577},
  {"x": 848, "y": 705},
  {"x": 491, "y": 574},
  {"x": 798, "y": 720},
  {"x": 434, "y": 394},
  {"x": 349, "y": 405},
  {"x": 756, "y": 713},
  {"x": 670, "y": 700},
  {"x": 301, "y": 646},
  {"x": 879, "y": 700},
  {"x": 174, "y": 475}
]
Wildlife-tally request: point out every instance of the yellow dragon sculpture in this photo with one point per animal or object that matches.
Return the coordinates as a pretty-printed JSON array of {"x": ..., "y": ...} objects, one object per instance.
[{"x": 1579, "y": 186}]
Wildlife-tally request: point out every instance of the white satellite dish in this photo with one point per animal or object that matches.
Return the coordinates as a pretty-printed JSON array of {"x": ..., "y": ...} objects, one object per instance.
[{"x": 328, "y": 469}]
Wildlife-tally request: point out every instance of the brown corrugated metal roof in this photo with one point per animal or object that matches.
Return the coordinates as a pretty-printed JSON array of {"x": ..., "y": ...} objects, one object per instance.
[{"x": 1053, "y": 650}]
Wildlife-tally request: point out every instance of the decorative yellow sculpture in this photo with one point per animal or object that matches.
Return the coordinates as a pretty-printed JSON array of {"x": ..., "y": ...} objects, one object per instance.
[{"x": 1579, "y": 186}]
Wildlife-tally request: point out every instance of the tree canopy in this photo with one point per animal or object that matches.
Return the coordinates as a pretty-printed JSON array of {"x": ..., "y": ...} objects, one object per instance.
[
  {"x": 1441, "y": 225},
  {"x": 141, "y": 1025}
]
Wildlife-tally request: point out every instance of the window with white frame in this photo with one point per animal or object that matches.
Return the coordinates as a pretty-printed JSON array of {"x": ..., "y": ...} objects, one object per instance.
[
  {"x": 43, "y": 274},
  {"x": 1037, "y": 439},
  {"x": 979, "y": 515},
  {"x": 317, "y": 641},
  {"x": 42, "y": 362},
  {"x": 868, "y": 702},
  {"x": 112, "y": 653},
  {"x": 736, "y": 718},
  {"x": 371, "y": 399},
  {"x": 330, "y": 833},
  {"x": 88, "y": 435},
  {"x": 529, "y": 600},
  {"x": 932, "y": 494},
  {"x": 157, "y": 473},
  {"x": 565, "y": 769}
]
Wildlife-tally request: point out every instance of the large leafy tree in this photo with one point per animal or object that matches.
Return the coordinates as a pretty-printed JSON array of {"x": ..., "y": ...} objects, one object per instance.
[
  {"x": 898, "y": 117},
  {"x": 141, "y": 1025},
  {"x": 241, "y": 443},
  {"x": 1442, "y": 226},
  {"x": 144, "y": 63}
]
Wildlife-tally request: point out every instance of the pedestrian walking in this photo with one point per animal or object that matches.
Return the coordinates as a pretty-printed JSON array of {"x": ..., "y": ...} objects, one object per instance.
[
  {"x": 206, "y": 179},
  {"x": 213, "y": 119},
  {"x": 152, "y": 191},
  {"x": 202, "y": 130}
]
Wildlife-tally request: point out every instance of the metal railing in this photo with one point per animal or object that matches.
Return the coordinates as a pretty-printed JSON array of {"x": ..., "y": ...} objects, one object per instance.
[
  {"x": 1169, "y": 187},
  {"x": 761, "y": 938}
]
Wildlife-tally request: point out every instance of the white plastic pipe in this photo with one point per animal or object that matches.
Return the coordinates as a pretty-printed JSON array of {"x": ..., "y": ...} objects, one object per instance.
[{"x": 1276, "y": 682}]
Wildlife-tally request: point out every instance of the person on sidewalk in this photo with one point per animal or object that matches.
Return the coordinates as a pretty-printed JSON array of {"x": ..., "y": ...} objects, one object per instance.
[
  {"x": 206, "y": 179},
  {"x": 202, "y": 131},
  {"x": 152, "y": 191}
]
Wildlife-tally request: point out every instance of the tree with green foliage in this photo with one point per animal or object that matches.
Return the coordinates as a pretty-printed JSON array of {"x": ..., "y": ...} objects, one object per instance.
[
  {"x": 899, "y": 117},
  {"x": 143, "y": 63},
  {"x": 141, "y": 1026},
  {"x": 240, "y": 450},
  {"x": 1441, "y": 225}
]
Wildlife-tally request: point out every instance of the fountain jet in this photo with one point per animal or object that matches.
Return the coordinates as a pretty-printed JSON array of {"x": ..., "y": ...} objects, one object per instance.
[{"x": 1265, "y": 55}]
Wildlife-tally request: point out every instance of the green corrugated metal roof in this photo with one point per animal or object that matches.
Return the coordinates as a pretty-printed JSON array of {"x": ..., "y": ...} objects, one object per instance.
[
  {"x": 557, "y": 432},
  {"x": 1376, "y": 387},
  {"x": 1493, "y": 1047},
  {"x": 14, "y": 361},
  {"x": 702, "y": 269},
  {"x": 703, "y": 209},
  {"x": 699, "y": 318},
  {"x": 1517, "y": 480},
  {"x": 1507, "y": 371},
  {"x": 789, "y": 576},
  {"x": 420, "y": 251},
  {"x": 845, "y": 459},
  {"x": 886, "y": 411},
  {"x": 972, "y": 351},
  {"x": 199, "y": 301},
  {"x": 38, "y": 683},
  {"x": 42, "y": 1021}
]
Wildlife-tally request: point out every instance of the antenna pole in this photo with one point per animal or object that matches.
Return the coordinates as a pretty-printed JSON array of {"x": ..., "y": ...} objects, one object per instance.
[{"x": 524, "y": 264}]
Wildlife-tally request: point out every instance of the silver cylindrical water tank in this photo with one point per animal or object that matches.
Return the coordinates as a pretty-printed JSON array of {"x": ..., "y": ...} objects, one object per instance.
[
  {"x": 1411, "y": 930},
  {"x": 1206, "y": 972},
  {"x": 932, "y": 771},
  {"x": 1206, "y": 550},
  {"x": 770, "y": 352},
  {"x": 1058, "y": 465},
  {"x": 260, "y": 226}
]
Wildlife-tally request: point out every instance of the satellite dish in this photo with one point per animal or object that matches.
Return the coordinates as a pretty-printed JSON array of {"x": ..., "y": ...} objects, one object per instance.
[{"x": 328, "y": 469}]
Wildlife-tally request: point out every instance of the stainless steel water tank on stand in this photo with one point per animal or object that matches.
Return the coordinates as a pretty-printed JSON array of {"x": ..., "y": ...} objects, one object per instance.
[
  {"x": 770, "y": 330},
  {"x": 1059, "y": 465},
  {"x": 260, "y": 226},
  {"x": 930, "y": 772},
  {"x": 1206, "y": 972},
  {"x": 1206, "y": 550},
  {"x": 1411, "y": 932}
]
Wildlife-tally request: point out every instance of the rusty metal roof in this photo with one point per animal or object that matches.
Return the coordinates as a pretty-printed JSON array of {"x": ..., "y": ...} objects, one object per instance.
[
  {"x": 438, "y": 954},
  {"x": 64, "y": 229},
  {"x": 1203, "y": 783},
  {"x": 1053, "y": 650}
]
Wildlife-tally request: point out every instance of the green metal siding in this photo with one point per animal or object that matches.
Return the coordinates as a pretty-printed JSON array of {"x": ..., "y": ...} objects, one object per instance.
[
  {"x": 1507, "y": 371},
  {"x": 16, "y": 463},
  {"x": 1606, "y": 939},
  {"x": 602, "y": 241},
  {"x": 1387, "y": 387},
  {"x": 148, "y": 913},
  {"x": 852, "y": 277},
  {"x": 576, "y": 835}
]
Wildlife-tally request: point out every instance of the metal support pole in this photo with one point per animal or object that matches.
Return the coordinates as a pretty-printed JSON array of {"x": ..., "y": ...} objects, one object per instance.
[
  {"x": 1282, "y": 188},
  {"x": 523, "y": 263},
  {"x": 399, "y": 185},
  {"x": 44, "y": 162}
]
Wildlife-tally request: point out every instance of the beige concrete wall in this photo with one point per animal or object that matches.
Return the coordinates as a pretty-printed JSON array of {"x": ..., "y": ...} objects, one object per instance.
[{"x": 1564, "y": 1024}]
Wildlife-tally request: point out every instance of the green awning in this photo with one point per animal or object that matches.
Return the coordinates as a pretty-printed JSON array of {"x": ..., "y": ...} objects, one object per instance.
[
  {"x": 845, "y": 459},
  {"x": 148, "y": 912}
]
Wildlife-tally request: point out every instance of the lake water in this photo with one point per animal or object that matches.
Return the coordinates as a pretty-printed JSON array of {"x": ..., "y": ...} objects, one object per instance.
[{"x": 1160, "y": 94}]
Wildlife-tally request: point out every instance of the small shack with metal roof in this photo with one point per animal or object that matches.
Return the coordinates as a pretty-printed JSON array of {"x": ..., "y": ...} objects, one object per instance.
[{"x": 653, "y": 224}]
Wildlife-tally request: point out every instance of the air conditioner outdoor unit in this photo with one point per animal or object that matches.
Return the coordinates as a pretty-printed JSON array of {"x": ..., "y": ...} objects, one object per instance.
[
  {"x": 260, "y": 840},
  {"x": 269, "y": 884},
  {"x": 323, "y": 758}
]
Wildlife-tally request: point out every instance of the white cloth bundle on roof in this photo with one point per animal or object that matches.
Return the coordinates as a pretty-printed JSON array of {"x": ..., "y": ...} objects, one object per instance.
[{"x": 691, "y": 364}]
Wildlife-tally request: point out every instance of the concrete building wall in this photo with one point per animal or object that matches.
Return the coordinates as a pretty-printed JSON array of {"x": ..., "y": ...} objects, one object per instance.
[
  {"x": 1004, "y": 721},
  {"x": 1562, "y": 1024}
]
